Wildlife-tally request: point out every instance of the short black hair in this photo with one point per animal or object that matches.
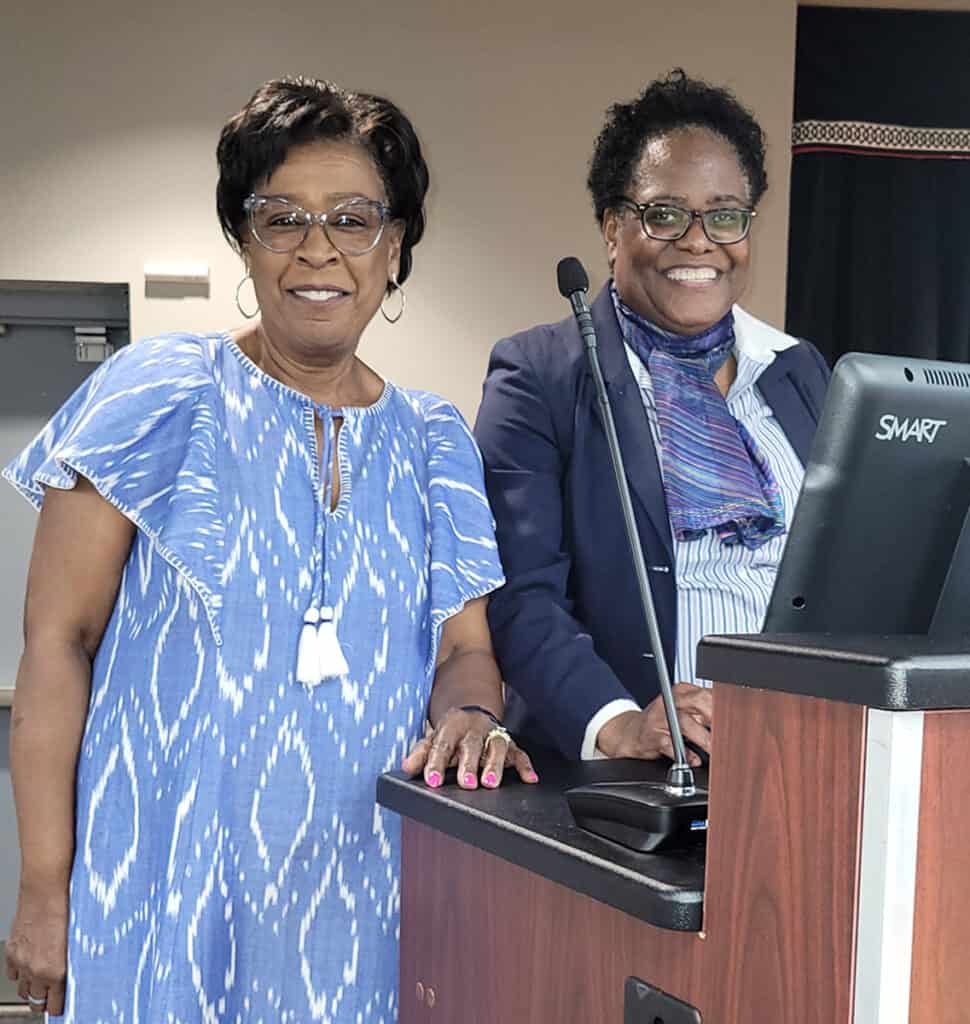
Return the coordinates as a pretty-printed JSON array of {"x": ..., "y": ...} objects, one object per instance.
[
  {"x": 667, "y": 104},
  {"x": 294, "y": 111}
]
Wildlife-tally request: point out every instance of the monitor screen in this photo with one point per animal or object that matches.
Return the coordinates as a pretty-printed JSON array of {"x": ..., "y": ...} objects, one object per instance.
[{"x": 878, "y": 523}]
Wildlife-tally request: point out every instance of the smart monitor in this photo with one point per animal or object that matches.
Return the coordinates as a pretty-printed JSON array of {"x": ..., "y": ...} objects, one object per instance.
[{"x": 878, "y": 543}]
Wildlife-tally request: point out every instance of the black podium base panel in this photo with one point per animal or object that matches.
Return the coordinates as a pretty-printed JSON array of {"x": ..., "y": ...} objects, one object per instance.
[{"x": 643, "y": 1004}]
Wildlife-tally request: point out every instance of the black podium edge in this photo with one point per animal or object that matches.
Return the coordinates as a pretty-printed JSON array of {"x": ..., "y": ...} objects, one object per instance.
[
  {"x": 874, "y": 672},
  {"x": 653, "y": 902}
]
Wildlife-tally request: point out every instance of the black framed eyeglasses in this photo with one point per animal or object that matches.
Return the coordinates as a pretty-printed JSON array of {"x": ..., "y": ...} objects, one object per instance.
[
  {"x": 354, "y": 227},
  {"x": 667, "y": 223}
]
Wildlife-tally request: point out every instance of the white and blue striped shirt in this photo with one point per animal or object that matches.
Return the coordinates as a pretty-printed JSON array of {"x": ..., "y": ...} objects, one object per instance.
[{"x": 723, "y": 588}]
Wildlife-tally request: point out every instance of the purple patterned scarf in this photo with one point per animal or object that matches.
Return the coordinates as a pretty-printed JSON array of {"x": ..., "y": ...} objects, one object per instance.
[{"x": 715, "y": 476}]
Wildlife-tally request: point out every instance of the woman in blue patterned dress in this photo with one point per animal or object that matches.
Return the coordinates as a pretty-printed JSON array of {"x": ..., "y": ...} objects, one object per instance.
[{"x": 259, "y": 570}]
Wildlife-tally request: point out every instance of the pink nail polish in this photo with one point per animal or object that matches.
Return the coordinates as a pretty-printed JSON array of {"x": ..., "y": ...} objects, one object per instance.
[
  {"x": 490, "y": 779},
  {"x": 532, "y": 777},
  {"x": 434, "y": 779},
  {"x": 470, "y": 779}
]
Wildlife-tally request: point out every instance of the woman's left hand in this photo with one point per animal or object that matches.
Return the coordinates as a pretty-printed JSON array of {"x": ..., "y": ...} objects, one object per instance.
[{"x": 471, "y": 740}]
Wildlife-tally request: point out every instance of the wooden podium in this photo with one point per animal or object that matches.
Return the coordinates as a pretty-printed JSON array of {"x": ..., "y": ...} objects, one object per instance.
[{"x": 836, "y": 887}]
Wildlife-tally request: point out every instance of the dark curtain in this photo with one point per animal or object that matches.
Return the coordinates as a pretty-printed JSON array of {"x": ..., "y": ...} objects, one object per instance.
[{"x": 879, "y": 249}]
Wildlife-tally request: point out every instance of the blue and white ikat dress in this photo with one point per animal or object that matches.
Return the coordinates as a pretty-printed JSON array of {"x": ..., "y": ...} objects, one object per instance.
[{"x": 231, "y": 863}]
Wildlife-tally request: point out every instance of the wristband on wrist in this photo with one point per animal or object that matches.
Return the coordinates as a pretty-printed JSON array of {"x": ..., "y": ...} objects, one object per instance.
[{"x": 484, "y": 711}]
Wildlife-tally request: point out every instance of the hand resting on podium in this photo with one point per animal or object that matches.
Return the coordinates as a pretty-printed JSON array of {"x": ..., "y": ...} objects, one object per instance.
[{"x": 645, "y": 734}]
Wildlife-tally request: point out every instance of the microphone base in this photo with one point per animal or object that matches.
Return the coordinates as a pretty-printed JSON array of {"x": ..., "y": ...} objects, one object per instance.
[{"x": 643, "y": 816}]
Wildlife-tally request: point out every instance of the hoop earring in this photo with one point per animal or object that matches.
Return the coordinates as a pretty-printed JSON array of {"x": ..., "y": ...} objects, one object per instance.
[
  {"x": 239, "y": 286},
  {"x": 400, "y": 312}
]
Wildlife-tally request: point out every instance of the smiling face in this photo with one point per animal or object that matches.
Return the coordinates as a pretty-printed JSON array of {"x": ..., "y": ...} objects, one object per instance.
[
  {"x": 688, "y": 285},
  {"x": 315, "y": 300}
]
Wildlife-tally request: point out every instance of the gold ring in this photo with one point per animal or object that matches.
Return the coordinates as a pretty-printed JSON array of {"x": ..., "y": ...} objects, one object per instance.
[{"x": 497, "y": 732}]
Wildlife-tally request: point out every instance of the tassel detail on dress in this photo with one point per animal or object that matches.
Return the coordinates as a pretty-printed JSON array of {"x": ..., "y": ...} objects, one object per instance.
[
  {"x": 332, "y": 664},
  {"x": 308, "y": 653}
]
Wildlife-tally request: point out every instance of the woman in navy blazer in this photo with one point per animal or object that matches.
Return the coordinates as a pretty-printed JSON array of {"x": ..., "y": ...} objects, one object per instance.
[{"x": 675, "y": 179}]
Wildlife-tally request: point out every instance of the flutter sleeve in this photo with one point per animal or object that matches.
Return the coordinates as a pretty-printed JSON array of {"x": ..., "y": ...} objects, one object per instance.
[
  {"x": 464, "y": 554},
  {"x": 143, "y": 430}
]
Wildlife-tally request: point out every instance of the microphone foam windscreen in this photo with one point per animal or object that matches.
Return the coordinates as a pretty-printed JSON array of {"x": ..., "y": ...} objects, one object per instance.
[{"x": 571, "y": 276}]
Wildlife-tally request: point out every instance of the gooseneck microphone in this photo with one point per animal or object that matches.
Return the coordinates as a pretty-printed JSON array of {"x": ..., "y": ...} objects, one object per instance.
[
  {"x": 651, "y": 815},
  {"x": 573, "y": 286}
]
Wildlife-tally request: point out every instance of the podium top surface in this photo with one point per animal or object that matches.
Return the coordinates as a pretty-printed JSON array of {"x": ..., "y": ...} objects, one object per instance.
[
  {"x": 531, "y": 826},
  {"x": 895, "y": 673}
]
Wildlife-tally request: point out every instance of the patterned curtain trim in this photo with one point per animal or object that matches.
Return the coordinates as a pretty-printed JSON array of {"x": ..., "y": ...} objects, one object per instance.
[{"x": 867, "y": 138}]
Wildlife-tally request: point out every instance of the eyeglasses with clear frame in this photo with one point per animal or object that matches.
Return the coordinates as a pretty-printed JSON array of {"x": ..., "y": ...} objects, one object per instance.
[
  {"x": 353, "y": 227},
  {"x": 668, "y": 223}
]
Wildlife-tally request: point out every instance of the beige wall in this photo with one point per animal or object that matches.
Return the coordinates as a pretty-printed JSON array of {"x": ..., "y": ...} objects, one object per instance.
[{"x": 110, "y": 110}]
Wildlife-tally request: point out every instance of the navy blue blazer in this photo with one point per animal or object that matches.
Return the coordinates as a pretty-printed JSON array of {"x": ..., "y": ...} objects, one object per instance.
[{"x": 567, "y": 626}]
